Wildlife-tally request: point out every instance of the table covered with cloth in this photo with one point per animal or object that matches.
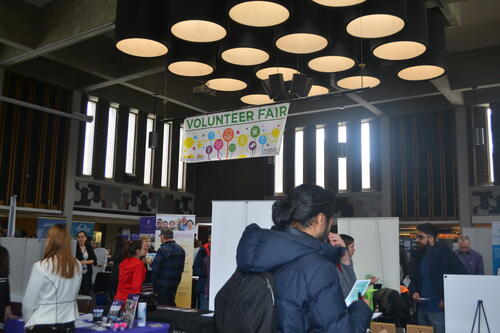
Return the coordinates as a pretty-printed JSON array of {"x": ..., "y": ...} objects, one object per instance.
[{"x": 184, "y": 320}]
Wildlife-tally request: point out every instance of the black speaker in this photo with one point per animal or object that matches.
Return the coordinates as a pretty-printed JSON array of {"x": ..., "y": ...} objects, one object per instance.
[
  {"x": 301, "y": 85},
  {"x": 275, "y": 87},
  {"x": 153, "y": 140}
]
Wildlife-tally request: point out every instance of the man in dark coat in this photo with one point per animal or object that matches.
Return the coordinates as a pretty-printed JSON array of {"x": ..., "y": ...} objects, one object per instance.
[
  {"x": 430, "y": 262},
  {"x": 167, "y": 268},
  {"x": 309, "y": 297}
]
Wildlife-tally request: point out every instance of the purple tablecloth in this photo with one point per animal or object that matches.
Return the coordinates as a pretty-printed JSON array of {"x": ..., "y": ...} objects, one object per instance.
[{"x": 17, "y": 326}]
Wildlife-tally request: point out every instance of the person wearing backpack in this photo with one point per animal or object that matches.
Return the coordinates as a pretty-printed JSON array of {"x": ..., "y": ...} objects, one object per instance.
[{"x": 299, "y": 268}]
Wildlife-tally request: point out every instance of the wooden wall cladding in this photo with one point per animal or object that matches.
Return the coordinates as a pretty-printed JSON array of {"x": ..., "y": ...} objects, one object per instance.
[
  {"x": 424, "y": 166},
  {"x": 33, "y": 144}
]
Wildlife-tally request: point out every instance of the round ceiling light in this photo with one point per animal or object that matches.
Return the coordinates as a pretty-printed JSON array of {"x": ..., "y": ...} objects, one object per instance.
[
  {"x": 256, "y": 99},
  {"x": 190, "y": 68},
  {"x": 198, "y": 31},
  {"x": 318, "y": 90},
  {"x": 142, "y": 47},
  {"x": 264, "y": 73},
  {"x": 339, "y": 3},
  {"x": 375, "y": 26},
  {"x": 399, "y": 50},
  {"x": 226, "y": 84},
  {"x": 245, "y": 56},
  {"x": 301, "y": 43},
  {"x": 331, "y": 64},
  {"x": 421, "y": 72},
  {"x": 358, "y": 82},
  {"x": 259, "y": 13}
]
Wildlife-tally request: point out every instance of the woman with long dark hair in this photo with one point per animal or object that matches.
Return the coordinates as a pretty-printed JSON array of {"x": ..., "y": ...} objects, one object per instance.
[
  {"x": 116, "y": 259},
  {"x": 5, "y": 309},
  {"x": 49, "y": 303},
  {"x": 132, "y": 271},
  {"x": 85, "y": 254}
]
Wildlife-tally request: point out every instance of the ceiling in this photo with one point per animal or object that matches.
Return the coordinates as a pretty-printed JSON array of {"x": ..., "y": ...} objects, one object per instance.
[{"x": 70, "y": 43}]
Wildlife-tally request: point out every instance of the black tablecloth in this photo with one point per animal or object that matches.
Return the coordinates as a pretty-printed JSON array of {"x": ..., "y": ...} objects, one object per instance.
[{"x": 188, "y": 322}]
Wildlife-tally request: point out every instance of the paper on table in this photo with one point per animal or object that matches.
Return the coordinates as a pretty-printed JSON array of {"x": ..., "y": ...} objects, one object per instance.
[
  {"x": 211, "y": 314},
  {"x": 83, "y": 324},
  {"x": 360, "y": 286}
]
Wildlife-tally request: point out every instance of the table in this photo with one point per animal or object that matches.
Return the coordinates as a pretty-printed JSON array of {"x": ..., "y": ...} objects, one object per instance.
[
  {"x": 189, "y": 322},
  {"x": 17, "y": 326}
]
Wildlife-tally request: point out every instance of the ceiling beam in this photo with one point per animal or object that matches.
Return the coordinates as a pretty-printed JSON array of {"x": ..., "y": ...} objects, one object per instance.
[
  {"x": 124, "y": 79},
  {"x": 362, "y": 102},
  {"x": 443, "y": 85}
]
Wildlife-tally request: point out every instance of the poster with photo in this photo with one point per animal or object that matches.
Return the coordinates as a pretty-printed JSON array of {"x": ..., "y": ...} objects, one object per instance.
[{"x": 184, "y": 227}]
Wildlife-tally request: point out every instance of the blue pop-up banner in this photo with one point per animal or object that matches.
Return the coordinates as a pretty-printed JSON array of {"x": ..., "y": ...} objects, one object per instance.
[{"x": 495, "y": 234}]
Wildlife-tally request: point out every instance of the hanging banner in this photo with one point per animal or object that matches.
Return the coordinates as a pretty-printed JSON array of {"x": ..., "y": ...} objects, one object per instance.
[
  {"x": 147, "y": 225},
  {"x": 246, "y": 133},
  {"x": 43, "y": 224},
  {"x": 495, "y": 234},
  {"x": 184, "y": 229}
]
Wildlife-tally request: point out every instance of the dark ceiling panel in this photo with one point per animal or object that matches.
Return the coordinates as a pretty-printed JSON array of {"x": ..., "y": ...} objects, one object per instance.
[{"x": 425, "y": 104}]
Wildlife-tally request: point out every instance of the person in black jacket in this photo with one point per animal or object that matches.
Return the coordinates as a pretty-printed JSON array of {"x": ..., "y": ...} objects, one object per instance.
[
  {"x": 308, "y": 293},
  {"x": 167, "y": 268},
  {"x": 429, "y": 263},
  {"x": 85, "y": 254},
  {"x": 5, "y": 305}
]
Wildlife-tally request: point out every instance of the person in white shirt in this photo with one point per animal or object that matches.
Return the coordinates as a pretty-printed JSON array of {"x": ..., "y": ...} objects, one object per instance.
[{"x": 49, "y": 303}]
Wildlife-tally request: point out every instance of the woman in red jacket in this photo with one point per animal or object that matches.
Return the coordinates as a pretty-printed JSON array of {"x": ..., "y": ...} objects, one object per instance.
[{"x": 132, "y": 271}]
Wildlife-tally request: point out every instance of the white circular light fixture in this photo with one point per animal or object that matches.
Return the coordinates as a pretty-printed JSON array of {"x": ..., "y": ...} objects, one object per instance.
[
  {"x": 245, "y": 56},
  {"x": 264, "y": 73},
  {"x": 421, "y": 72},
  {"x": 375, "y": 26},
  {"x": 142, "y": 47},
  {"x": 318, "y": 90},
  {"x": 301, "y": 43},
  {"x": 198, "y": 31},
  {"x": 339, "y": 3},
  {"x": 259, "y": 13},
  {"x": 331, "y": 64},
  {"x": 226, "y": 84},
  {"x": 358, "y": 82},
  {"x": 399, "y": 50},
  {"x": 256, "y": 99},
  {"x": 190, "y": 68}
]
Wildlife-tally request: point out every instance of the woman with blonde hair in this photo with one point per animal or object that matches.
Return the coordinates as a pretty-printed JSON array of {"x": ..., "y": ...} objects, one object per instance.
[{"x": 49, "y": 303}]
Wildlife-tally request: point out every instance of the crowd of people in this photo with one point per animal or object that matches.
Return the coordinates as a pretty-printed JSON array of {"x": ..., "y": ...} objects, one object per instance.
[{"x": 313, "y": 271}]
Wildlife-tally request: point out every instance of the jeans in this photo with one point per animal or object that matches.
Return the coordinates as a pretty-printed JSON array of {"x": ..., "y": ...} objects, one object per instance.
[
  {"x": 203, "y": 301},
  {"x": 434, "y": 319}
]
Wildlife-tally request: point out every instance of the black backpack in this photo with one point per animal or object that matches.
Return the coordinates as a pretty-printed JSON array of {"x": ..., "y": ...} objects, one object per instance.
[
  {"x": 393, "y": 306},
  {"x": 246, "y": 304}
]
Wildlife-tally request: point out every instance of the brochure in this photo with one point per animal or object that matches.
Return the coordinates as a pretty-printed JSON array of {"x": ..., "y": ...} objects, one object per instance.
[
  {"x": 130, "y": 308},
  {"x": 360, "y": 286}
]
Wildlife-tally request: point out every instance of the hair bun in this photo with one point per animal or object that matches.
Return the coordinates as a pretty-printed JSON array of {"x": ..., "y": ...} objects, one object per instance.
[{"x": 282, "y": 213}]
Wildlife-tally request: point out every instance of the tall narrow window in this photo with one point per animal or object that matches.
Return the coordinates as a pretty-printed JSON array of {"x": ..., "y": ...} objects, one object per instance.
[
  {"x": 181, "y": 178},
  {"x": 320, "y": 156},
  {"x": 110, "y": 142},
  {"x": 165, "y": 156},
  {"x": 365, "y": 155},
  {"x": 278, "y": 170},
  {"x": 342, "y": 159},
  {"x": 88, "y": 149},
  {"x": 148, "y": 157},
  {"x": 299, "y": 157},
  {"x": 132, "y": 127},
  {"x": 490, "y": 147}
]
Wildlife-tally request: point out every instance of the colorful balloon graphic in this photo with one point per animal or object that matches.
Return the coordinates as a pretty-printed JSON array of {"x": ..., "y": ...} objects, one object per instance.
[
  {"x": 209, "y": 150},
  {"x": 276, "y": 132},
  {"x": 242, "y": 140},
  {"x": 228, "y": 134},
  {"x": 262, "y": 139},
  {"x": 255, "y": 131},
  {"x": 252, "y": 145},
  {"x": 218, "y": 144},
  {"x": 211, "y": 136},
  {"x": 188, "y": 142},
  {"x": 232, "y": 147}
]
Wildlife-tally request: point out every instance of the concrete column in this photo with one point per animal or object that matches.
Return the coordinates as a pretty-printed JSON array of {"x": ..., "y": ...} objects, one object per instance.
[
  {"x": 72, "y": 157},
  {"x": 463, "y": 181},
  {"x": 386, "y": 165}
]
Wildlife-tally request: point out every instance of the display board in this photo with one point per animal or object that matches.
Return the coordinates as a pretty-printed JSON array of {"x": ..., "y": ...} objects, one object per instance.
[
  {"x": 23, "y": 252},
  {"x": 480, "y": 241},
  {"x": 377, "y": 247},
  {"x": 461, "y": 293},
  {"x": 229, "y": 220}
]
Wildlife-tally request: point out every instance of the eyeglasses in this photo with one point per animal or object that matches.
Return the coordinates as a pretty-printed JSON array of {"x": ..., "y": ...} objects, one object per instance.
[{"x": 422, "y": 236}]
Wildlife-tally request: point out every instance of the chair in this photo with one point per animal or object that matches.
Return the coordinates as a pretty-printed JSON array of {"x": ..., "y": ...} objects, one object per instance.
[
  {"x": 419, "y": 329},
  {"x": 382, "y": 327}
]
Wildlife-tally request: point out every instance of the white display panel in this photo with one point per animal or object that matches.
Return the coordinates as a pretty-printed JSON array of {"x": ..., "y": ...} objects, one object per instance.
[
  {"x": 461, "y": 293},
  {"x": 480, "y": 241},
  {"x": 377, "y": 247},
  {"x": 229, "y": 220}
]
